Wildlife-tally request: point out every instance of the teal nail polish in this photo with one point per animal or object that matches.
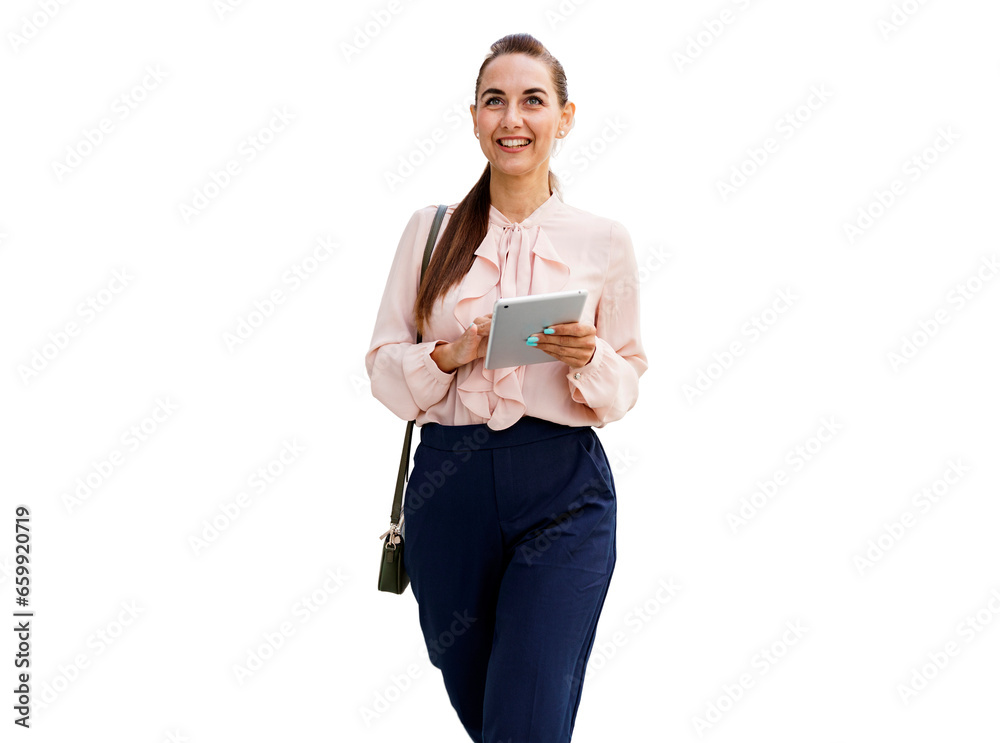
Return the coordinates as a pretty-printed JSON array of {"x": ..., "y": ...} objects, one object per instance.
[
  {"x": 548, "y": 331},
  {"x": 532, "y": 341}
]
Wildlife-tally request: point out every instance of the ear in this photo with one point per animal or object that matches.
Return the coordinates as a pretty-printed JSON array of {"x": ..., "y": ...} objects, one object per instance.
[
  {"x": 472, "y": 110},
  {"x": 568, "y": 114}
]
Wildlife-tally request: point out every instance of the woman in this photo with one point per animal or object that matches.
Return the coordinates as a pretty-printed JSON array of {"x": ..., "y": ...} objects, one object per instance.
[{"x": 509, "y": 510}]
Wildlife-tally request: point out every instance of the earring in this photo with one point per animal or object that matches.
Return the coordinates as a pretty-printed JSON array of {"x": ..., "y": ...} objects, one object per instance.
[
  {"x": 477, "y": 135},
  {"x": 561, "y": 132}
]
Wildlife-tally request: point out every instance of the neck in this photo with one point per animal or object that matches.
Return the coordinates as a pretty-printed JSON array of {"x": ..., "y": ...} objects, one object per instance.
[{"x": 517, "y": 197}]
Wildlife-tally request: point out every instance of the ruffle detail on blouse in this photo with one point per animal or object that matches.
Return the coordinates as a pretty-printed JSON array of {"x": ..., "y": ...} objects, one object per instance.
[{"x": 513, "y": 260}]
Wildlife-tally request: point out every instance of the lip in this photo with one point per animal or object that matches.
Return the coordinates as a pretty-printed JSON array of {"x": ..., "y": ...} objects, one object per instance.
[{"x": 515, "y": 149}]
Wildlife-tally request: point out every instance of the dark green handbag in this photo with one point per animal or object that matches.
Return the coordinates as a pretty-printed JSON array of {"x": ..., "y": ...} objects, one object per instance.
[{"x": 392, "y": 575}]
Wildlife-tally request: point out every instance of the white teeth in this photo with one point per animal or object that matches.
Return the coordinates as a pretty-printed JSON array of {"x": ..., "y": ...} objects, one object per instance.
[{"x": 514, "y": 142}]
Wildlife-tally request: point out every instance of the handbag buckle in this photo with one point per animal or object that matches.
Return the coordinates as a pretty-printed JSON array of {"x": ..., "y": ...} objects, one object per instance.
[{"x": 394, "y": 539}]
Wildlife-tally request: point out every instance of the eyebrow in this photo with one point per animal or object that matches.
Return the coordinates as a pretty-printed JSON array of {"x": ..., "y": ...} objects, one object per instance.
[{"x": 496, "y": 91}]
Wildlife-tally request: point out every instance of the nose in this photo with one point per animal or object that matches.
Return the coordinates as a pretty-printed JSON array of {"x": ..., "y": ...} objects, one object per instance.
[{"x": 511, "y": 118}]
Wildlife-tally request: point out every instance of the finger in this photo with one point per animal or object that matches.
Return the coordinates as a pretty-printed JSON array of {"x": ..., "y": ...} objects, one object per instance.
[
  {"x": 570, "y": 328},
  {"x": 567, "y": 351},
  {"x": 557, "y": 341},
  {"x": 553, "y": 351}
]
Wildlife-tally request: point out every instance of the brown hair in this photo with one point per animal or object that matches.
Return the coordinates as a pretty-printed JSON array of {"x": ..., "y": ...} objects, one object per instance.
[{"x": 468, "y": 225}]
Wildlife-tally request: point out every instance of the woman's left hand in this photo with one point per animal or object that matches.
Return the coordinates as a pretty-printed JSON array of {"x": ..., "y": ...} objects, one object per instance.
[{"x": 571, "y": 342}]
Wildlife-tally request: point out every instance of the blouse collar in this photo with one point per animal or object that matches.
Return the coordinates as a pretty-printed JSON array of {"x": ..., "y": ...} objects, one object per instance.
[{"x": 536, "y": 217}]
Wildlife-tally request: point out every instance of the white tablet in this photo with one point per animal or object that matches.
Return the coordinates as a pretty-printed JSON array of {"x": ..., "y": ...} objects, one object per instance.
[{"x": 515, "y": 318}]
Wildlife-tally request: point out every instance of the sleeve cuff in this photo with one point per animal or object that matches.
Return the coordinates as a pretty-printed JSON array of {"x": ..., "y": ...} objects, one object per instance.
[
  {"x": 589, "y": 371},
  {"x": 441, "y": 377}
]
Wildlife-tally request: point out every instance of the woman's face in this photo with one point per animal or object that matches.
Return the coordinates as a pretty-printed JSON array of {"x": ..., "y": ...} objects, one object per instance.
[{"x": 517, "y": 114}]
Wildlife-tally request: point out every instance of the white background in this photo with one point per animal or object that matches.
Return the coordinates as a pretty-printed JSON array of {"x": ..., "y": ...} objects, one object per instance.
[{"x": 683, "y": 463}]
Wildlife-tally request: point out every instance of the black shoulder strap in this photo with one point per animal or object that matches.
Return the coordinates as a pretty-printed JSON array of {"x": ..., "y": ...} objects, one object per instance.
[
  {"x": 431, "y": 239},
  {"x": 404, "y": 460}
]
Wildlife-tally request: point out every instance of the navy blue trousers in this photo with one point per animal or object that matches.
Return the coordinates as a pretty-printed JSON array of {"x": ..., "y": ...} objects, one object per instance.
[{"x": 510, "y": 547}]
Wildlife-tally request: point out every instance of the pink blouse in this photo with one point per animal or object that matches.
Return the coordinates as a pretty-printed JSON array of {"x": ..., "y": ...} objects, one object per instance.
[{"x": 558, "y": 247}]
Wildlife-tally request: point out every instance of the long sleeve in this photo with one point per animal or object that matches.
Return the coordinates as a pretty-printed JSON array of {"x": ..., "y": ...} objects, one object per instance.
[
  {"x": 403, "y": 375},
  {"x": 609, "y": 384}
]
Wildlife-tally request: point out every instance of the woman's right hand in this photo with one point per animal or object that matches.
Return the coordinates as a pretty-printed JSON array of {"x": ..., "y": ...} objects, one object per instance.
[{"x": 470, "y": 346}]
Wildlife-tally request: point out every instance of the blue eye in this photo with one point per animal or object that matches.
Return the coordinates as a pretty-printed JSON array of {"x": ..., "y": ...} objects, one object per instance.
[
  {"x": 490, "y": 101},
  {"x": 535, "y": 98}
]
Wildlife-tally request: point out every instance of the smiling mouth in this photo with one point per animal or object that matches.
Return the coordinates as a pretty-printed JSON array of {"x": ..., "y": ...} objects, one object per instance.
[{"x": 513, "y": 143}]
